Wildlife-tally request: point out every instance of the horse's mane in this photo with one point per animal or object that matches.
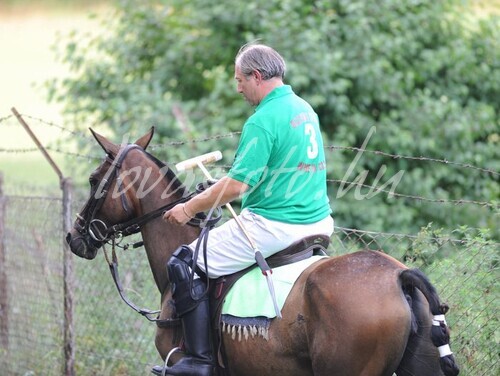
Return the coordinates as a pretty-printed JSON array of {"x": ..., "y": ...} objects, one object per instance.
[{"x": 177, "y": 185}]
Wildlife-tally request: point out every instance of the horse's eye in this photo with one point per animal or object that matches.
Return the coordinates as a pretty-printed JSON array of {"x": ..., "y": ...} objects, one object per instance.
[{"x": 92, "y": 181}]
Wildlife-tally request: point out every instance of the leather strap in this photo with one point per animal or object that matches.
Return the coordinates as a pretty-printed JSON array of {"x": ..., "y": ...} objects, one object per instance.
[{"x": 300, "y": 250}]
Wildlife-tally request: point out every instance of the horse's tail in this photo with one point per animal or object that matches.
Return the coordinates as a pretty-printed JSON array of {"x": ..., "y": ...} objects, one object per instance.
[{"x": 440, "y": 334}]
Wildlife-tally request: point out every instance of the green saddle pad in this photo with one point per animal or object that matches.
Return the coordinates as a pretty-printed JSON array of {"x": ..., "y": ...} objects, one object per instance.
[{"x": 250, "y": 297}]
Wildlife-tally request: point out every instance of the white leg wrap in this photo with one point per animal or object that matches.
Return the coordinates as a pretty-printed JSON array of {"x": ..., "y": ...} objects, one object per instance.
[
  {"x": 444, "y": 350},
  {"x": 437, "y": 319}
]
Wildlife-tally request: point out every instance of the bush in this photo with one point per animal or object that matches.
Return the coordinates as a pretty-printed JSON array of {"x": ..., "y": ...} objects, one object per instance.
[{"x": 421, "y": 73}]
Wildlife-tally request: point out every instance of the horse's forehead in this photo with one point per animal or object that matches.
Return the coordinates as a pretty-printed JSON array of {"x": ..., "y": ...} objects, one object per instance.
[
  {"x": 96, "y": 172},
  {"x": 101, "y": 168}
]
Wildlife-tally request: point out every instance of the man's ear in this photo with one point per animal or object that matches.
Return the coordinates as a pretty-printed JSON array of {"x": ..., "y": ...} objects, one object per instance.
[
  {"x": 257, "y": 75},
  {"x": 107, "y": 145},
  {"x": 144, "y": 141}
]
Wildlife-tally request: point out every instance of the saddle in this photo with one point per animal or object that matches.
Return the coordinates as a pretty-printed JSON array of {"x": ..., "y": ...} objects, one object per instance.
[{"x": 298, "y": 251}]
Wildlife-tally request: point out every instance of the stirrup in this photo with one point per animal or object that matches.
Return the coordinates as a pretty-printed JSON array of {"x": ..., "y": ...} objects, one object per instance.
[{"x": 165, "y": 364}]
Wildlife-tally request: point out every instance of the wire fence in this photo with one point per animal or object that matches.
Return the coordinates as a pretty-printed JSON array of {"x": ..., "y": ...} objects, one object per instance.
[
  {"x": 111, "y": 339},
  {"x": 86, "y": 139}
]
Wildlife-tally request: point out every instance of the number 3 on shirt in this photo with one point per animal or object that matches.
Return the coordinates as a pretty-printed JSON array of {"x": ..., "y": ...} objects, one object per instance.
[{"x": 312, "y": 149}]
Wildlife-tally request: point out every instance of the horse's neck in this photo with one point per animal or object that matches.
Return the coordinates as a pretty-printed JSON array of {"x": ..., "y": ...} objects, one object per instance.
[
  {"x": 161, "y": 238},
  {"x": 160, "y": 241}
]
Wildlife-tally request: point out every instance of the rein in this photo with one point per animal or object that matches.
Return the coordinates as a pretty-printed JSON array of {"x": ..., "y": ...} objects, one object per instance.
[
  {"x": 133, "y": 226},
  {"x": 206, "y": 224},
  {"x": 102, "y": 234},
  {"x": 151, "y": 315}
]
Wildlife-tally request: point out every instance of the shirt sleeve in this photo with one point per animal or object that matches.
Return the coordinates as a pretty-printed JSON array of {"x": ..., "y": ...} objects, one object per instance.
[{"x": 252, "y": 155}]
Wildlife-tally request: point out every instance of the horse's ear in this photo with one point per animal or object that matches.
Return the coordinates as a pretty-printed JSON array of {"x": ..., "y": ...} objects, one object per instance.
[
  {"x": 144, "y": 141},
  {"x": 107, "y": 145}
]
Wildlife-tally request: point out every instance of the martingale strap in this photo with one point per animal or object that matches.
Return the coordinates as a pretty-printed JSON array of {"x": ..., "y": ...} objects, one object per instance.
[
  {"x": 147, "y": 313},
  {"x": 151, "y": 315},
  {"x": 199, "y": 220}
]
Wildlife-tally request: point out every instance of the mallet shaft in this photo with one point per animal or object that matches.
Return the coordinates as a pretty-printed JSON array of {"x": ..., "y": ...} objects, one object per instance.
[
  {"x": 229, "y": 207},
  {"x": 212, "y": 157}
]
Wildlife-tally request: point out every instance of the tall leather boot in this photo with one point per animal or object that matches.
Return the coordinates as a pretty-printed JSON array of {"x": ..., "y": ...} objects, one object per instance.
[{"x": 193, "y": 309}]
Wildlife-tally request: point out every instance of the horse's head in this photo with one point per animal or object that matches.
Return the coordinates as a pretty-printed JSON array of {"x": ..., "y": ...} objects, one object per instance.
[{"x": 104, "y": 208}]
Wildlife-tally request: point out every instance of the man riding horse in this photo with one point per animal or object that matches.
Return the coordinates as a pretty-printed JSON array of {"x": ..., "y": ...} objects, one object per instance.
[{"x": 279, "y": 172}]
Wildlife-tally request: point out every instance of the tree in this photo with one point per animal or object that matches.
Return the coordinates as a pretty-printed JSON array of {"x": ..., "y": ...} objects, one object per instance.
[{"x": 419, "y": 73}]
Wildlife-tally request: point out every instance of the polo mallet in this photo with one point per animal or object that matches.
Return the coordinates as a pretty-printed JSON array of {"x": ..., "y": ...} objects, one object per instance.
[{"x": 259, "y": 258}]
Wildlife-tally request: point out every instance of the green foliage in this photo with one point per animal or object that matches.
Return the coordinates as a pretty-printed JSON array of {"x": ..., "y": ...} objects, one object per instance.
[
  {"x": 469, "y": 284},
  {"x": 421, "y": 73}
]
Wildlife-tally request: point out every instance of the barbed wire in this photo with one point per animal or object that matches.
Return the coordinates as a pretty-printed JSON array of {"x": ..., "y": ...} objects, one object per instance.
[
  {"x": 413, "y": 197},
  {"x": 60, "y": 127},
  {"x": 373, "y": 189},
  {"x": 197, "y": 140},
  {"x": 437, "y": 238},
  {"x": 238, "y": 133},
  {"x": 421, "y": 158},
  {"x": 18, "y": 150},
  {"x": 52, "y": 149},
  {"x": 233, "y": 134},
  {"x": 4, "y": 118},
  {"x": 379, "y": 189}
]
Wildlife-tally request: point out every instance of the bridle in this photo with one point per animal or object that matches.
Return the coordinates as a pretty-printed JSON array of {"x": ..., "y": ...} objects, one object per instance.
[
  {"x": 87, "y": 225},
  {"x": 97, "y": 232},
  {"x": 94, "y": 231}
]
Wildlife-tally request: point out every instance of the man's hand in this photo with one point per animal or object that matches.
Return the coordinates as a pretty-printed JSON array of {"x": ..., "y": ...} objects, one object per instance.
[
  {"x": 178, "y": 215},
  {"x": 222, "y": 192}
]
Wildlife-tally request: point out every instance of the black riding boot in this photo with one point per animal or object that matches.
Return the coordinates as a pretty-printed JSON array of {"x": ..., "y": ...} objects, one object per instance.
[{"x": 193, "y": 309}]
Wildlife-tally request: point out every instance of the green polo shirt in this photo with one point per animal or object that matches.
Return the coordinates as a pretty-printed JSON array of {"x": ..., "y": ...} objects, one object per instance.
[{"x": 281, "y": 157}]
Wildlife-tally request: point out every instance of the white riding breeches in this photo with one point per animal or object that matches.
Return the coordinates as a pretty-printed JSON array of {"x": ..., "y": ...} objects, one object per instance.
[{"x": 229, "y": 251}]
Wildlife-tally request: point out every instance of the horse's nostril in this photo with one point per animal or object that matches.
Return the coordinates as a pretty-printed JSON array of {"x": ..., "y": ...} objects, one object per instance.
[{"x": 68, "y": 238}]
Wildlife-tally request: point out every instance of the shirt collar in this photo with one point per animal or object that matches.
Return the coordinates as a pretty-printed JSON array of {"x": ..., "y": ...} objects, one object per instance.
[{"x": 275, "y": 93}]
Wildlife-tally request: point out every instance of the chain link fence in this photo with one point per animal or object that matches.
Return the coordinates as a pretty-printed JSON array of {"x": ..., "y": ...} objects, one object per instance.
[{"x": 111, "y": 339}]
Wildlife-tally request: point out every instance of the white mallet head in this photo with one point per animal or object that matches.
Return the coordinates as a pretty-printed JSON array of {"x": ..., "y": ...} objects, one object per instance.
[{"x": 188, "y": 164}]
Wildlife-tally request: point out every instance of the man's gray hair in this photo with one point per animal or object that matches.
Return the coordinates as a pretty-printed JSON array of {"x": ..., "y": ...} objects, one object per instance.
[{"x": 262, "y": 58}]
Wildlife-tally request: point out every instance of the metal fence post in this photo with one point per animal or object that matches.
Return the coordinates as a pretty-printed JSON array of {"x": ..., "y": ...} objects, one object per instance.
[
  {"x": 69, "y": 339},
  {"x": 4, "y": 288},
  {"x": 66, "y": 186}
]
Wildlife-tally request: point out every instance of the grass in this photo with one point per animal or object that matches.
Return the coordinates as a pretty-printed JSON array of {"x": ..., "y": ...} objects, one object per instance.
[
  {"x": 25, "y": 170},
  {"x": 28, "y": 30},
  {"x": 28, "y": 175}
]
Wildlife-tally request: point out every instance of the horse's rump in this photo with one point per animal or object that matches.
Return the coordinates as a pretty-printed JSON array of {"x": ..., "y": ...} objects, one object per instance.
[{"x": 351, "y": 304}]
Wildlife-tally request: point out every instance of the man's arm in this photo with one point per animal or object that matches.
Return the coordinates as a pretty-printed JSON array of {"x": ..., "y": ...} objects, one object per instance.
[{"x": 223, "y": 191}]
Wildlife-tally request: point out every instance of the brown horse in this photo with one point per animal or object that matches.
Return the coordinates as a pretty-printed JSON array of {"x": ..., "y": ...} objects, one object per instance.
[{"x": 360, "y": 314}]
